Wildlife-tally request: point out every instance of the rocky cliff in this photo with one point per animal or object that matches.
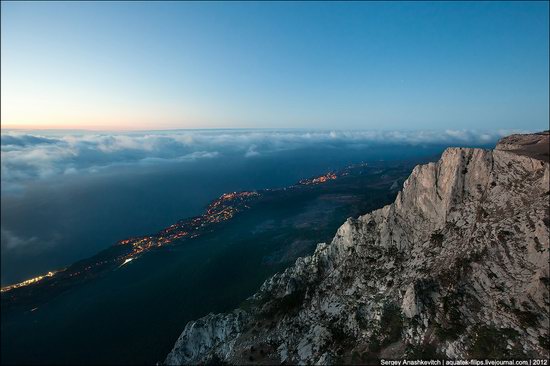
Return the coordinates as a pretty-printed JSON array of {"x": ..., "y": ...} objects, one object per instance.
[{"x": 456, "y": 267}]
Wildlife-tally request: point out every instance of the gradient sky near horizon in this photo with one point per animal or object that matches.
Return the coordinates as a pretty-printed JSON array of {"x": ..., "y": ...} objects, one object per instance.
[{"x": 162, "y": 65}]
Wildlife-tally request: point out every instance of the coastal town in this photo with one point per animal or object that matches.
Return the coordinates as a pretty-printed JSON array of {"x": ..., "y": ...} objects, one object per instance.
[{"x": 124, "y": 251}]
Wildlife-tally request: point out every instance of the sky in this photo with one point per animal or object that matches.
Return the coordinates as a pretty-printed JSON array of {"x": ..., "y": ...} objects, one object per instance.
[{"x": 351, "y": 65}]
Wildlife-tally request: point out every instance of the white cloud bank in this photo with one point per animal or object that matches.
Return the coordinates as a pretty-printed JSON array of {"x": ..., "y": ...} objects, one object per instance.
[{"x": 29, "y": 156}]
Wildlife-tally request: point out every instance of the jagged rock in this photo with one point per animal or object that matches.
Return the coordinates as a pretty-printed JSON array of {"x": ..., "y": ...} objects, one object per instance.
[
  {"x": 212, "y": 331},
  {"x": 409, "y": 305},
  {"x": 456, "y": 266}
]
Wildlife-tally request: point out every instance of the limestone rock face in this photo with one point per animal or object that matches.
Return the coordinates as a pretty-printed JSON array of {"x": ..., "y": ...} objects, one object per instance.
[{"x": 456, "y": 267}]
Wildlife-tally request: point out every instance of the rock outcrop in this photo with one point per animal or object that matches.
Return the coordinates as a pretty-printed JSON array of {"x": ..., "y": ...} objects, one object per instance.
[
  {"x": 535, "y": 145},
  {"x": 456, "y": 267}
]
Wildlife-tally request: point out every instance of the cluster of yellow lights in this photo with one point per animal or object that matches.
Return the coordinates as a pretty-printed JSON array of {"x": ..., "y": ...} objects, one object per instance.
[
  {"x": 29, "y": 281},
  {"x": 318, "y": 180},
  {"x": 217, "y": 212}
]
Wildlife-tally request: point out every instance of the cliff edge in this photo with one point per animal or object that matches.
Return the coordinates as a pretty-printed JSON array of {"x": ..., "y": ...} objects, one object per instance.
[{"x": 456, "y": 267}]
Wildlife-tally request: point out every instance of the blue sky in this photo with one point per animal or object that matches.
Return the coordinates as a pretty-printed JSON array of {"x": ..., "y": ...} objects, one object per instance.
[{"x": 372, "y": 65}]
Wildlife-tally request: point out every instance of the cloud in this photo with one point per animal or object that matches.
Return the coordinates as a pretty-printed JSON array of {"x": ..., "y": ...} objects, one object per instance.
[
  {"x": 11, "y": 241},
  {"x": 251, "y": 152},
  {"x": 24, "y": 140},
  {"x": 27, "y": 157},
  {"x": 189, "y": 157}
]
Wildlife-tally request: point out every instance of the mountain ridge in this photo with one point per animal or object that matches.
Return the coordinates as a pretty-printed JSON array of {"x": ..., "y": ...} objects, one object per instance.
[{"x": 456, "y": 267}]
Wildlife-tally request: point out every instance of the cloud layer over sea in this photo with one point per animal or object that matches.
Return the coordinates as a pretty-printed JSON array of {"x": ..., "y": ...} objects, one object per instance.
[{"x": 31, "y": 156}]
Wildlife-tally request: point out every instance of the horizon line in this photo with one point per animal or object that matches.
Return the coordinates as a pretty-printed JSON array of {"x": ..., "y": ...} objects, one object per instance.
[{"x": 58, "y": 129}]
